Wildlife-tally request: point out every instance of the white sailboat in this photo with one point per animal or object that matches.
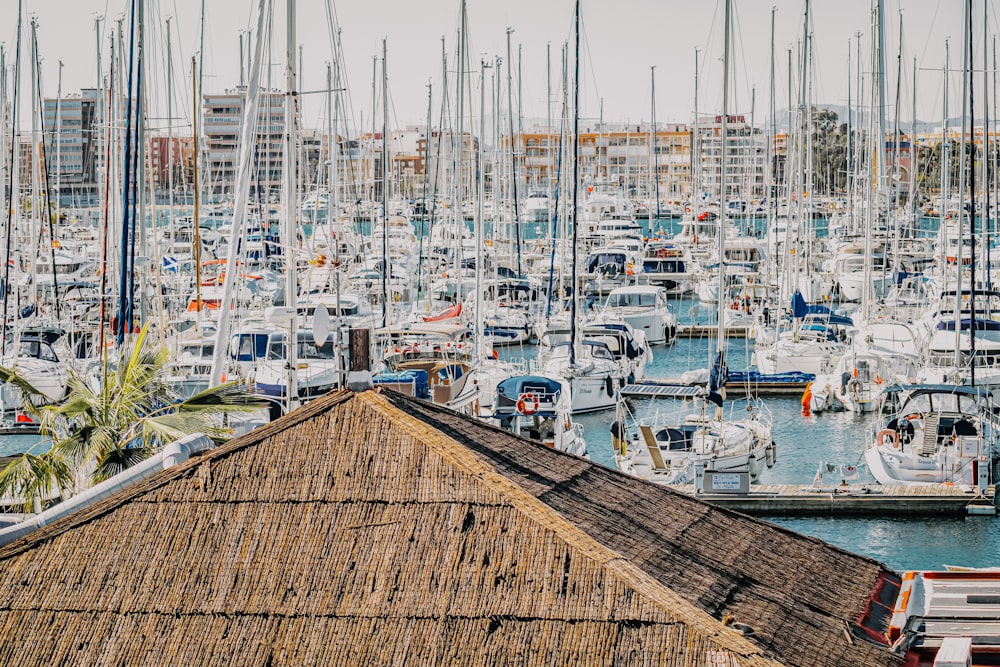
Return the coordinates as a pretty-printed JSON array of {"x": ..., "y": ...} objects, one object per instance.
[{"x": 671, "y": 447}]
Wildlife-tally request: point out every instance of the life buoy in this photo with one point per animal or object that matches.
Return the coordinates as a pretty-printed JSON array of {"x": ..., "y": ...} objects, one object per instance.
[
  {"x": 527, "y": 404},
  {"x": 662, "y": 253},
  {"x": 888, "y": 437},
  {"x": 854, "y": 387}
]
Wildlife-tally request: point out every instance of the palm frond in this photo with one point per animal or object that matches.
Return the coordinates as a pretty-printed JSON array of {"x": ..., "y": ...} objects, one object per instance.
[
  {"x": 229, "y": 397},
  {"x": 118, "y": 459},
  {"x": 30, "y": 477},
  {"x": 179, "y": 424},
  {"x": 11, "y": 376}
]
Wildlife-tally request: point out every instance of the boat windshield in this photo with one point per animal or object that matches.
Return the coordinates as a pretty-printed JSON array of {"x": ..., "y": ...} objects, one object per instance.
[
  {"x": 942, "y": 402},
  {"x": 37, "y": 349},
  {"x": 624, "y": 300},
  {"x": 307, "y": 349}
]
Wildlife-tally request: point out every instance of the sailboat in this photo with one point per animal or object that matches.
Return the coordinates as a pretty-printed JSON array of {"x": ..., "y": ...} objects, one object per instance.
[{"x": 675, "y": 448}]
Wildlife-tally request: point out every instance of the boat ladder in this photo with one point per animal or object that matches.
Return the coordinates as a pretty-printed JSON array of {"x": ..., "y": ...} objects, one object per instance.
[{"x": 928, "y": 447}]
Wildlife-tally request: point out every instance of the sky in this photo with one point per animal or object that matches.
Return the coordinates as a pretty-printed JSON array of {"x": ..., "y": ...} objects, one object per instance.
[{"x": 625, "y": 44}]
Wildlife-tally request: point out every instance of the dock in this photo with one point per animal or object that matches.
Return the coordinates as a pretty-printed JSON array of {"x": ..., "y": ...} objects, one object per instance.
[
  {"x": 737, "y": 385},
  {"x": 710, "y": 331},
  {"x": 870, "y": 500}
]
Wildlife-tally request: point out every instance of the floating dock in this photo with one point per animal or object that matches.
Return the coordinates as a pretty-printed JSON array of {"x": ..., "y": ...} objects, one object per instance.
[
  {"x": 736, "y": 385},
  {"x": 871, "y": 500},
  {"x": 709, "y": 331}
]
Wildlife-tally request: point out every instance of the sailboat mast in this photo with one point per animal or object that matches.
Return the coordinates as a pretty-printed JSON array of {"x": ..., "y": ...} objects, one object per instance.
[
  {"x": 723, "y": 155},
  {"x": 170, "y": 128},
  {"x": 769, "y": 184},
  {"x": 963, "y": 181},
  {"x": 654, "y": 210},
  {"x": 13, "y": 185},
  {"x": 247, "y": 143},
  {"x": 576, "y": 175},
  {"x": 696, "y": 141},
  {"x": 513, "y": 155},
  {"x": 972, "y": 193},
  {"x": 385, "y": 188},
  {"x": 290, "y": 205}
]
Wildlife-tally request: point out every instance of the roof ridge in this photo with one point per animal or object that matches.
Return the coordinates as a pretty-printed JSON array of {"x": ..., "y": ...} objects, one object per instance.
[{"x": 619, "y": 566}]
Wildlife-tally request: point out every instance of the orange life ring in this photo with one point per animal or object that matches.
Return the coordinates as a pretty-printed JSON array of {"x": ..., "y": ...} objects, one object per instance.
[
  {"x": 887, "y": 436},
  {"x": 527, "y": 404}
]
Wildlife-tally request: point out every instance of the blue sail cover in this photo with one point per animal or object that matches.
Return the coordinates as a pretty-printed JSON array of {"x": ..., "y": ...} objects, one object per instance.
[
  {"x": 717, "y": 377},
  {"x": 799, "y": 307}
]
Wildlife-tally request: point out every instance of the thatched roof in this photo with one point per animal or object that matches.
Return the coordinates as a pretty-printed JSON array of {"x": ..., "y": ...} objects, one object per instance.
[{"x": 377, "y": 529}]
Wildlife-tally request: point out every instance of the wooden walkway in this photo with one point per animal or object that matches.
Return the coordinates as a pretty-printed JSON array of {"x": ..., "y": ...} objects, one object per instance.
[
  {"x": 855, "y": 500},
  {"x": 709, "y": 331}
]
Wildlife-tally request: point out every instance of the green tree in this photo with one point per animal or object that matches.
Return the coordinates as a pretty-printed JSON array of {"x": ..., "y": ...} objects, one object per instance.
[{"x": 133, "y": 414}]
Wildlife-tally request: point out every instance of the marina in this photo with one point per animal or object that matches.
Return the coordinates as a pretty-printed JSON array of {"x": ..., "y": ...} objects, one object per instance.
[{"x": 519, "y": 382}]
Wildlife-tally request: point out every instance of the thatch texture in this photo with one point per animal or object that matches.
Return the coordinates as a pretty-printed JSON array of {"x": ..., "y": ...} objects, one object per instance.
[{"x": 376, "y": 529}]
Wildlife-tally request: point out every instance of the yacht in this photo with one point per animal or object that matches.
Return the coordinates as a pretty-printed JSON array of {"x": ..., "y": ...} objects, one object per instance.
[
  {"x": 671, "y": 444},
  {"x": 933, "y": 434},
  {"x": 539, "y": 408},
  {"x": 645, "y": 309}
]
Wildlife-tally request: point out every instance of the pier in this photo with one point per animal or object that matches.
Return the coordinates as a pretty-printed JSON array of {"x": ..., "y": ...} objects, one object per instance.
[
  {"x": 871, "y": 500},
  {"x": 710, "y": 331},
  {"x": 736, "y": 385}
]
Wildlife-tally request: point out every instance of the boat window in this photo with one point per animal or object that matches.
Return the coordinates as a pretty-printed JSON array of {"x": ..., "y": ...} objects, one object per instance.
[
  {"x": 968, "y": 405},
  {"x": 921, "y": 403},
  {"x": 307, "y": 349},
  {"x": 945, "y": 402},
  {"x": 599, "y": 352},
  {"x": 276, "y": 348},
  {"x": 37, "y": 350}
]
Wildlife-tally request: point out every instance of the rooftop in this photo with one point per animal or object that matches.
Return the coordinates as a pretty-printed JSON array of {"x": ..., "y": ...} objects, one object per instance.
[{"x": 375, "y": 528}]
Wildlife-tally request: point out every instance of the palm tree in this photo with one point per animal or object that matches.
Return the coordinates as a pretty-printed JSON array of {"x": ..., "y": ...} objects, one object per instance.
[{"x": 99, "y": 433}]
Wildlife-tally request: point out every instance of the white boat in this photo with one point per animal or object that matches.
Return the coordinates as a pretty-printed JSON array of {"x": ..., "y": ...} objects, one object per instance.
[
  {"x": 669, "y": 447},
  {"x": 645, "y": 309},
  {"x": 536, "y": 207},
  {"x": 592, "y": 373},
  {"x": 669, "y": 265},
  {"x": 539, "y": 408},
  {"x": 933, "y": 434},
  {"x": 35, "y": 359},
  {"x": 317, "y": 368}
]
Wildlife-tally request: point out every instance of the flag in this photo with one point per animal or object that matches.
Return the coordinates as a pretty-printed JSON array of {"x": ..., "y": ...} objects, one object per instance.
[{"x": 849, "y": 473}]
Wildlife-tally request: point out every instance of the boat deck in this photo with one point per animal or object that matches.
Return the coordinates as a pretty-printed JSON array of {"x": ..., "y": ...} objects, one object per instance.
[{"x": 855, "y": 500}]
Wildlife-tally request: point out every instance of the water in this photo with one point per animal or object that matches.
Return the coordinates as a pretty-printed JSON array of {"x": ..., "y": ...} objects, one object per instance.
[
  {"x": 803, "y": 443},
  {"x": 12, "y": 445}
]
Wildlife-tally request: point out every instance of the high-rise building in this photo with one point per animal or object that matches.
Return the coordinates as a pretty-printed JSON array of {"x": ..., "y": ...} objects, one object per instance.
[
  {"x": 222, "y": 118},
  {"x": 73, "y": 134}
]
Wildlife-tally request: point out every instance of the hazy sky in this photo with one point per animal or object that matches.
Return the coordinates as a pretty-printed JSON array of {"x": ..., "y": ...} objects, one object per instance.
[{"x": 622, "y": 40}]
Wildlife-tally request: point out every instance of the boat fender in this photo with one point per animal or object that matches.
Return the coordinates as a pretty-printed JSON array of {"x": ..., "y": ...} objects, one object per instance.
[
  {"x": 609, "y": 386},
  {"x": 888, "y": 437},
  {"x": 771, "y": 454}
]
